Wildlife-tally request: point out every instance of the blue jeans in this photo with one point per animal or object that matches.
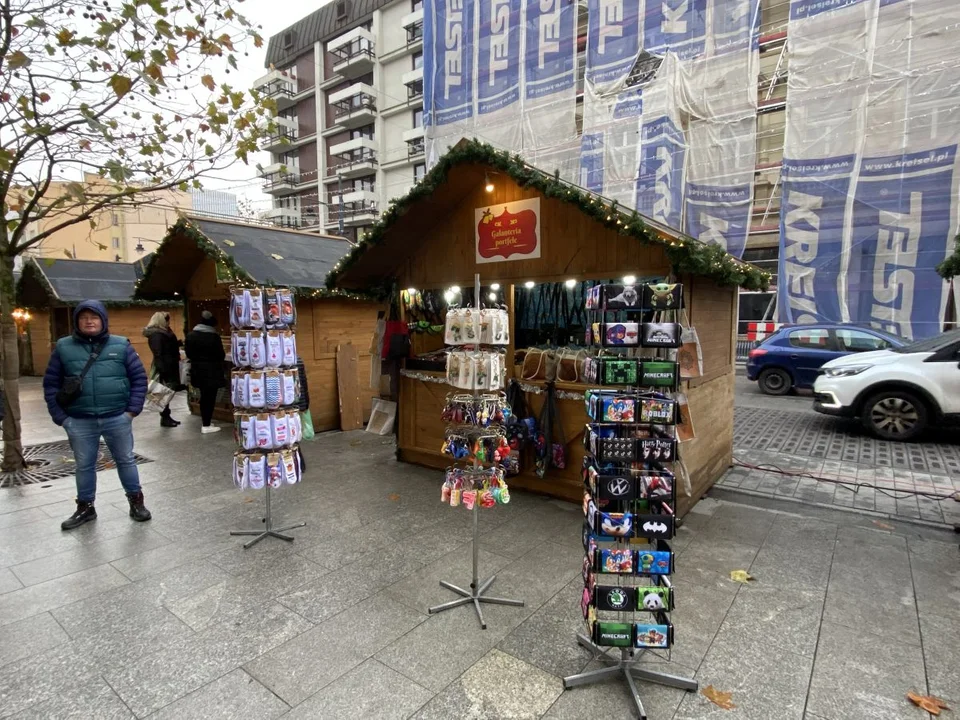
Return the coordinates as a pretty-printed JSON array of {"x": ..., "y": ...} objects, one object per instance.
[{"x": 117, "y": 433}]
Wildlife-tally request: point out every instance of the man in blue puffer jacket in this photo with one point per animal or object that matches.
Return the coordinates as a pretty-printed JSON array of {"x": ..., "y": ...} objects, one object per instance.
[{"x": 111, "y": 395}]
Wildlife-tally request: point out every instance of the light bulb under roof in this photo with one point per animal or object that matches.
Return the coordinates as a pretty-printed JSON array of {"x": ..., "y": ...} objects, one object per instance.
[
  {"x": 448, "y": 296},
  {"x": 495, "y": 286},
  {"x": 492, "y": 296},
  {"x": 529, "y": 284},
  {"x": 629, "y": 279},
  {"x": 487, "y": 185},
  {"x": 571, "y": 283},
  {"x": 411, "y": 291},
  {"x": 454, "y": 288}
]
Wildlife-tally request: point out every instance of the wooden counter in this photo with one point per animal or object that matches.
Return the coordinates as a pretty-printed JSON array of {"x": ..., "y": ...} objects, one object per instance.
[{"x": 706, "y": 457}]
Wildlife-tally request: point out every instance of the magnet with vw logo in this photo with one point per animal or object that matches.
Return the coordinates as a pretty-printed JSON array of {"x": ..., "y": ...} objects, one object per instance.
[{"x": 616, "y": 488}]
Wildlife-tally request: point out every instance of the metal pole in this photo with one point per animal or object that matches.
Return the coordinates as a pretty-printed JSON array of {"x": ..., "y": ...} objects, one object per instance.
[{"x": 340, "y": 190}]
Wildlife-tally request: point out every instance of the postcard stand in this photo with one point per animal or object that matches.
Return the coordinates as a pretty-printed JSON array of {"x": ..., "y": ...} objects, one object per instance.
[
  {"x": 624, "y": 504},
  {"x": 475, "y": 595},
  {"x": 268, "y": 529}
]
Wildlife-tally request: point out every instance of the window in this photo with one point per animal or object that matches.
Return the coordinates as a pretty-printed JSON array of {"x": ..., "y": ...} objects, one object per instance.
[
  {"x": 418, "y": 117},
  {"x": 810, "y": 338},
  {"x": 417, "y": 5},
  {"x": 859, "y": 341},
  {"x": 364, "y": 132},
  {"x": 419, "y": 170},
  {"x": 116, "y": 243},
  {"x": 114, "y": 219},
  {"x": 417, "y": 60}
]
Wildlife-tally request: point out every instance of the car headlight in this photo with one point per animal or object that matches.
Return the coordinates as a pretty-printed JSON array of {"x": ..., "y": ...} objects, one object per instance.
[{"x": 846, "y": 370}]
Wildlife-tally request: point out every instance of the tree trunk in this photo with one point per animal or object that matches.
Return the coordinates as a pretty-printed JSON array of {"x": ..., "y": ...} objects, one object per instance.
[{"x": 10, "y": 366}]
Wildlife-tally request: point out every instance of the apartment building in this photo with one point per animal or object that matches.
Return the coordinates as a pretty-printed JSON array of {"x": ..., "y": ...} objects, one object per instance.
[
  {"x": 348, "y": 82},
  {"x": 119, "y": 234}
]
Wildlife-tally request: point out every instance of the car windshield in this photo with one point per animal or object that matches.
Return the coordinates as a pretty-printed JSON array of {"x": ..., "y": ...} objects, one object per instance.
[{"x": 930, "y": 344}]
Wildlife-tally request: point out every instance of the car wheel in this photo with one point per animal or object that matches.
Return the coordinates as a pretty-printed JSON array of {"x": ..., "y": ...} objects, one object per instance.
[
  {"x": 775, "y": 381},
  {"x": 895, "y": 415}
]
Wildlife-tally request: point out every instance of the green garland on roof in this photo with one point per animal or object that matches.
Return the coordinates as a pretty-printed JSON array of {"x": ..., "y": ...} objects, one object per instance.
[
  {"x": 686, "y": 254},
  {"x": 237, "y": 275},
  {"x": 950, "y": 267}
]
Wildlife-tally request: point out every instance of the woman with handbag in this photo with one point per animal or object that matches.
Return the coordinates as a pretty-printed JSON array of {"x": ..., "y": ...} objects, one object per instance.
[
  {"x": 206, "y": 355},
  {"x": 166, "y": 359}
]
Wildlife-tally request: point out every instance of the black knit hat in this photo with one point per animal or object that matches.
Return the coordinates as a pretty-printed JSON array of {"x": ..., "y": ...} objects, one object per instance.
[{"x": 207, "y": 318}]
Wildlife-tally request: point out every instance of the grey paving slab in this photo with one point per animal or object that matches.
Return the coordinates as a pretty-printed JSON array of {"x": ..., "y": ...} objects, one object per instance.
[
  {"x": 151, "y": 562},
  {"x": 765, "y": 683},
  {"x": 876, "y": 613},
  {"x": 497, "y": 686},
  {"x": 56, "y": 593},
  {"x": 156, "y": 680},
  {"x": 936, "y": 578},
  {"x": 8, "y": 581},
  {"x": 235, "y": 695},
  {"x": 327, "y": 596},
  {"x": 30, "y": 636},
  {"x": 93, "y": 699},
  {"x": 787, "y": 621},
  {"x": 45, "y": 677},
  {"x": 370, "y": 690},
  {"x": 717, "y": 555},
  {"x": 885, "y": 670},
  {"x": 439, "y": 650},
  {"x": 87, "y": 556},
  {"x": 302, "y": 666},
  {"x": 547, "y": 639},
  {"x": 941, "y": 652},
  {"x": 23, "y": 543},
  {"x": 703, "y": 601},
  {"x": 21, "y": 517}
]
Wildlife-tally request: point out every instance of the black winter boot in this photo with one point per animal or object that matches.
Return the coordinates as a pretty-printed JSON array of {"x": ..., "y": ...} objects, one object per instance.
[
  {"x": 137, "y": 511},
  {"x": 85, "y": 513}
]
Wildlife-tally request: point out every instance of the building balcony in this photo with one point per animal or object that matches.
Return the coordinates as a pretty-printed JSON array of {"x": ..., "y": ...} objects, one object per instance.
[
  {"x": 354, "y": 106},
  {"x": 415, "y": 145},
  {"x": 279, "y": 86},
  {"x": 353, "y": 158},
  {"x": 414, "y": 83},
  {"x": 283, "y": 217},
  {"x": 353, "y": 53},
  {"x": 283, "y": 136},
  {"x": 413, "y": 24},
  {"x": 359, "y": 208}
]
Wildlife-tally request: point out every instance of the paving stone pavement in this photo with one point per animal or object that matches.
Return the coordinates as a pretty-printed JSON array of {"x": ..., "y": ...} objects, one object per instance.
[
  {"x": 173, "y": 619},
  {"x": 834, "y": 463}
]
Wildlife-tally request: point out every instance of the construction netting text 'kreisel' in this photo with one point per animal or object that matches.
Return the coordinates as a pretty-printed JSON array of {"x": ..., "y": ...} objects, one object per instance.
[{"x": 676, "y": 108}]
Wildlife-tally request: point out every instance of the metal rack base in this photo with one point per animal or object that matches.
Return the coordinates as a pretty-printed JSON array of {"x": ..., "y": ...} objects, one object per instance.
[
  {"x": 269, "y": 530},
  {"x": 474, "y": 595},
  {"x": 625, "y": 665}
]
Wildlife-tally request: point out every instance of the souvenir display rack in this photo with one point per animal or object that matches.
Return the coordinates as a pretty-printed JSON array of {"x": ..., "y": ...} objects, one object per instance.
[
  {"x": 477, "y": 436},
  {"x": 265, "y": 392},
  {"x": 630, "y": 494}
]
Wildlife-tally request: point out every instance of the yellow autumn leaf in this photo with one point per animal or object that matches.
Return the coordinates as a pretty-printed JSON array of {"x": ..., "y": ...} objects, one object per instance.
[
  {"x": 120, "y": 84},
  {"x": 741, "y": 576},
  {"x": 718, "y": 697},
  {"x": 275, "y": 256},
  {"x": 230, "y": 243}
]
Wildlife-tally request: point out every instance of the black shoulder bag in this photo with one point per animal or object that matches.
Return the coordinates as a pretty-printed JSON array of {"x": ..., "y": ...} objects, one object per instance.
[{"x": 73, "y": 384}]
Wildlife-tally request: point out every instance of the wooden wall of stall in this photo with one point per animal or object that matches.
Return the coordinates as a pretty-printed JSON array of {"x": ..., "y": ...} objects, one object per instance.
[
  {"x": 126, "y": 321},
  {"x": 574, "y": 246},
  {"x": 322, "y": 325}
]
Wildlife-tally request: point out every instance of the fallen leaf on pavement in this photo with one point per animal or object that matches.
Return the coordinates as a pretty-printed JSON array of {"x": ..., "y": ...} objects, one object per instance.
[
  {"x": 355, "y": 443},
  {"x": 930, "y": 703},
  {"x": 741, "y": 576},
  {"x": 718, "y": 697},
  {"x": 883, "y": 525},
  {"x": 394, "y": 497},
  {"x": 247, "y": 499}
]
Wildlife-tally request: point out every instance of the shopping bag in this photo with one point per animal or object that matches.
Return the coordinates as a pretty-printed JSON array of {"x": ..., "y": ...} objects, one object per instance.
[
  {"x": 184, "y": 372},
  {"x": 689, "y": 356},
  {"x": 307, "y": 422},
  {"x": 158, "y": 396}
]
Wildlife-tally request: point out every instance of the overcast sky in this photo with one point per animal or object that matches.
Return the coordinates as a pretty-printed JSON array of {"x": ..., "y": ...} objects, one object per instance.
[{"x": 242, "y": 179}]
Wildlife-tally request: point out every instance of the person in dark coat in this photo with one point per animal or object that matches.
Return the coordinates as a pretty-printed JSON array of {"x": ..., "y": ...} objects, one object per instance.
[
  {"x": 111, "y": 394},
  {"x": 166, "y": 359},
  {"x": 206, "y": 355}
]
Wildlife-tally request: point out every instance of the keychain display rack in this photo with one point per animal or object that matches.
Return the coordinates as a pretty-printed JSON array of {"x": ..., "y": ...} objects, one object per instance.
[
  {"x": 477, "y": 438},
  {"x": 629, "y": 484},
  {"x": 265, "y": 392}
]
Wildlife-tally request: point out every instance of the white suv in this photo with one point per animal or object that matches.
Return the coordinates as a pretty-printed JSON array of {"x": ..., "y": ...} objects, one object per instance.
[{"x": 896, "y": 393}]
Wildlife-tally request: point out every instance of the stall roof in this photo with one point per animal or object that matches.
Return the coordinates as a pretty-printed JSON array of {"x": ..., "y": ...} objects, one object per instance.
[
  {"x": 56, "y": 281},
  {"x": 374, "y": 261},
  {"x": 250, "y": 252}
]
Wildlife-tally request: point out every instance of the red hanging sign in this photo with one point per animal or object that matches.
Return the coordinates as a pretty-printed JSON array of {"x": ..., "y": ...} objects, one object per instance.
[{"x": 508, "y": 231}]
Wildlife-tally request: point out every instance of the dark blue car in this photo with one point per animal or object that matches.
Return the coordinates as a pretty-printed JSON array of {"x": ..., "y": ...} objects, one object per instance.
[{"x": 793, "y": 355}]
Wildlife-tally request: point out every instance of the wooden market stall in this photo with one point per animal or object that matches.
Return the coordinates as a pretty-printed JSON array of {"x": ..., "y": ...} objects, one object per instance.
[
  {"x": 201, "y": 258},
  {"x": 51, "y": 288},
  {"x": 434, "y": 238}
]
